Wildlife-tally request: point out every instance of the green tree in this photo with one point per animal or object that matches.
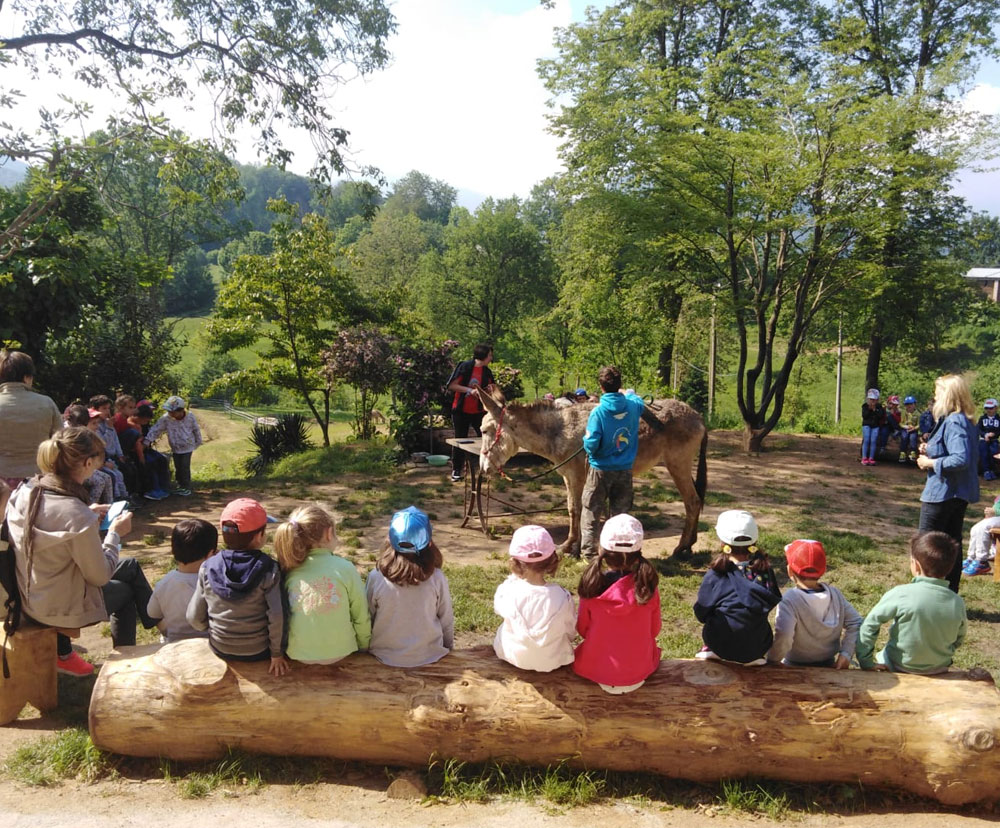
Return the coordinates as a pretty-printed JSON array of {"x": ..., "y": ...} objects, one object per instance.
[
  {"x": 493, "y": 272},
  {"x": 260, "y": 61},
  {"x": 294, "y": 300},
  {"x": 419, "y": 194}
]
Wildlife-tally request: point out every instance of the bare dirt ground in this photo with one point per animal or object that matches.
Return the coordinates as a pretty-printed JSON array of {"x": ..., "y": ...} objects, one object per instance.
[{"x": 798, "y": 476}]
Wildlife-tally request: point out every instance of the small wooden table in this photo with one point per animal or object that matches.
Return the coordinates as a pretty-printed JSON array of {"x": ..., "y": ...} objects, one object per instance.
[
  {"x": 477, "y": 501},
  {"x": 995, "y": 537}
]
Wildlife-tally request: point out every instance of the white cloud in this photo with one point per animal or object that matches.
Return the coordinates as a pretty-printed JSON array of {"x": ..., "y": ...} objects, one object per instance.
[{"x": 983, "y": 98}]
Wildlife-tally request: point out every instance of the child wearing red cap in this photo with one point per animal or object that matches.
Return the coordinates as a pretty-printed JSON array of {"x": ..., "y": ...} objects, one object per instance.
[
  {"x": 539, "y": 619},
  {"x": 815, "y": 625},
  {"x": 238, "y": 596}
]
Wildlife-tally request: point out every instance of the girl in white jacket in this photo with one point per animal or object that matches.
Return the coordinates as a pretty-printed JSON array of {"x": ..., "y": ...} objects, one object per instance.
[{"x": 539, "y": 618}]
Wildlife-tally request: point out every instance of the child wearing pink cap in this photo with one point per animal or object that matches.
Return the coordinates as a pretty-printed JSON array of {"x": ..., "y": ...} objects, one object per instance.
[
  {"x": 539, "y": 619},
  {"x": 815, "y": 625},
  {"x": 619, "y": 616}
]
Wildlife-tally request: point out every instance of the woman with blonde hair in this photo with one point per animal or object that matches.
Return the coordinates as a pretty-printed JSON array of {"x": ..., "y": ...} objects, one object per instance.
[
  {"x": 66, "y": 575},
  {"x": 950, "y": 457}
]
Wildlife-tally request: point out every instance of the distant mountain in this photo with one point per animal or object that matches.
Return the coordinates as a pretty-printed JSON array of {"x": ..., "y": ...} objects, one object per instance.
[{"x": 12, "y": 172}]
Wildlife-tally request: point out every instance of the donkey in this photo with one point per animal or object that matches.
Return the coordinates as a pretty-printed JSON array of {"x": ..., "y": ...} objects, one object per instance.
[{"x": 556, "y": 433}]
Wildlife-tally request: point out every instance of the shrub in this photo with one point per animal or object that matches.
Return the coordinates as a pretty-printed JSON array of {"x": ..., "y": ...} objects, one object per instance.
[{"x": 277, "y": 441}]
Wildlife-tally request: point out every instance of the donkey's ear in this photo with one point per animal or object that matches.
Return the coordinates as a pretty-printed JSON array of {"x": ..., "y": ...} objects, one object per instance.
[{"x": 489, "y": 403}]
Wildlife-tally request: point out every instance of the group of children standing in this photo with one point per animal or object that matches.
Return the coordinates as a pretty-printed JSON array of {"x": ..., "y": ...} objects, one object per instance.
[
  {"x": 311, "y": 605},
  {"x": 134, "y": 470}
]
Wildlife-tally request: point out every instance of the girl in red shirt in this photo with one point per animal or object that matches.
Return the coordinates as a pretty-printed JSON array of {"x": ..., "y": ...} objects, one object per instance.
[{"x": 619, "y": 615}]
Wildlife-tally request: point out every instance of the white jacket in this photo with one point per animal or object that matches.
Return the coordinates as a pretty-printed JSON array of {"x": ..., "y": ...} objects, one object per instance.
[
  {"x": 184, "y": 436},
  {"x": 539, "y": 625}
]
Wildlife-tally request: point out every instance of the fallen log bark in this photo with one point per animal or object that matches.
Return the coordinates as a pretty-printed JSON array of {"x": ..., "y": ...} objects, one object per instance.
[{"x": 698, "y": 720}]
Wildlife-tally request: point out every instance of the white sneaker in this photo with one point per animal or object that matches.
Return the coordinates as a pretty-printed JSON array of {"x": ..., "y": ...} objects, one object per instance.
[
  {"x": 757, "y": 662},
  {"x": 707, "y": 655}
]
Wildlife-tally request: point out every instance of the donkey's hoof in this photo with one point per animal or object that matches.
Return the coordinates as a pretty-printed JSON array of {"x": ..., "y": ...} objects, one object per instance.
[{"x": 682, "y": 553}]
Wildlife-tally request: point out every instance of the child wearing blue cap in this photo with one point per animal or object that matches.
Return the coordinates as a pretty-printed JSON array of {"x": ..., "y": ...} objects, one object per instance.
[{"x": 408, "y": 597}]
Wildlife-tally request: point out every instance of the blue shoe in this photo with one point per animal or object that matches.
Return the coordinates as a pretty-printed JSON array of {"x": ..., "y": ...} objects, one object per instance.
[
  {"x": 973, "y": 568},
  {"x": 989, "y": 476}
]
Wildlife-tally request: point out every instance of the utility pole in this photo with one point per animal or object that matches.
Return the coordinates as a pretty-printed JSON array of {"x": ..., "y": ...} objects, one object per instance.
[
  {"x": 711, "y": 364},
  {"x": 840, "y": 367}
]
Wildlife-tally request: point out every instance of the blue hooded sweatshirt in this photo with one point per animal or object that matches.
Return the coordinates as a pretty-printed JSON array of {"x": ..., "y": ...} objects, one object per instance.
[{"x": 612, "y": 436}]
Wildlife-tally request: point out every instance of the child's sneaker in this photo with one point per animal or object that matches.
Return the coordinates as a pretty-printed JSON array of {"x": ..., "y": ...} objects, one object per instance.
[
  {"x": 757, "y": 662},
  {"x": 456, "y": 477},
  {"x": 973, "y": 567},
  {"x": 73, "y": 665},
  {"x": 913, "y": 457},
  {"x": 988, "y": 475},
  {"x": 706, "y": 654},
  {"x": 902, "y": 457},
  {"x": 183, "y": 492}
]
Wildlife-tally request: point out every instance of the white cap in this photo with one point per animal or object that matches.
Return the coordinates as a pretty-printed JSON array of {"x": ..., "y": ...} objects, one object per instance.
[
  {"x": 621, "y": 533},
  {"x": 872, "y": 394},
  {"x": 736, "y": 527},
  {"x": 531, "y": 543}
]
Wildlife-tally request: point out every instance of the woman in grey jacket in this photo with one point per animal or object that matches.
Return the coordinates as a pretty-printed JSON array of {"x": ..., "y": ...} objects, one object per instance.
[{"x": 67, "y": 577}]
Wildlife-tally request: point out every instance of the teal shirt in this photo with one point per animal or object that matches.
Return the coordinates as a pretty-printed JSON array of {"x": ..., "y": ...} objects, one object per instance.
[
  {"x": 928, "y": 625},
  {"x": 328, "y": 611}
]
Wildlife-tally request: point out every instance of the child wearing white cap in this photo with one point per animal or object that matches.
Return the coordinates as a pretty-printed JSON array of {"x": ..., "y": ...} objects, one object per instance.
[
  {"x": 619, "y": 616},
  {"x": 539, "y": 619},
  {"x": 872, "y": 417},
  {"x": 183, "y": 435},
  {"x": 736, "y": 594}
]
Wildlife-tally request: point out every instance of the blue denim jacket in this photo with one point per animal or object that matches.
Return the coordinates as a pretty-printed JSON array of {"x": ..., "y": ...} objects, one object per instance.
[{"x": 953, "y": 446}]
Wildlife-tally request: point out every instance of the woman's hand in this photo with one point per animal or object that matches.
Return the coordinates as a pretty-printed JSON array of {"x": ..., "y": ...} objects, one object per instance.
[
  {"x": 100, "y": 508},
  {"x": 925, "y": 463},
  {"x": 122, "y": 524}
]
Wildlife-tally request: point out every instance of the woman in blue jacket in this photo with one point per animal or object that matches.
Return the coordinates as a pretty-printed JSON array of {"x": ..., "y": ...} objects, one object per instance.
[{"x": 950, "y": 458}]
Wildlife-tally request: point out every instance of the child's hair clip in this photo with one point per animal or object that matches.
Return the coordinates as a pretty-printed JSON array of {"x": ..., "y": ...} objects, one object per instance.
[
  {"x": 727, "y": 548},
  {"x": 753, "y": 549}
]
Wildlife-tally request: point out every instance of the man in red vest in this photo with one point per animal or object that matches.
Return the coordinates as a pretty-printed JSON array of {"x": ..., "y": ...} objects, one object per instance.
[{"x": 466, "y": 410}]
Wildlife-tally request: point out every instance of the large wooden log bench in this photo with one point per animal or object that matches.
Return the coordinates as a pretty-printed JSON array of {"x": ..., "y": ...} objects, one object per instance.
[
  {"x": 698, "y": 720},
  {"x": 31, "y": 661}
]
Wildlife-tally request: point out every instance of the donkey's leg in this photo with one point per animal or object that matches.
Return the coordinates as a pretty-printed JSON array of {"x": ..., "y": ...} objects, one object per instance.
[
  {"x": 574, "y": 491},
  {"x": 679, "y": 466}
]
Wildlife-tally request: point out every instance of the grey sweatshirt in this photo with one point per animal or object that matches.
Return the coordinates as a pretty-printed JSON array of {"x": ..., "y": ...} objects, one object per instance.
[
  {"x": 411, "y": 625},
  {"x": 812, "y": 627}
]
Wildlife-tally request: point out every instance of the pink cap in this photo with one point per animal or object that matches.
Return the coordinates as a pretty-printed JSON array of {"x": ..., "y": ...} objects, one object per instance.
[
  {"x": 246, "y": 514},
  {"x": 531, "y": 544},
  {"x": 94, "y": 413}
]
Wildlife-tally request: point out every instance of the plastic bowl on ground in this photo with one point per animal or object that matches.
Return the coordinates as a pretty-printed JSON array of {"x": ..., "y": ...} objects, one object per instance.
[{"x": 438, "y": 459}]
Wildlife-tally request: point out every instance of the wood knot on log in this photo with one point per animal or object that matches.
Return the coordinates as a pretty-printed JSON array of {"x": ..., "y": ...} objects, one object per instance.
[{"x": 979, "y": 739}]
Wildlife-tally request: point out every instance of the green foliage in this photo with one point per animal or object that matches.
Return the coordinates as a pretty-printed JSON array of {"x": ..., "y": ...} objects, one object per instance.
[
  {"x": 556, "y": 784},
  {"x": 419, "y": 195},
  {"x": 294, "y": 299},
  {"x": 320, "y": 465},
  {"x": 419, "y": 387},
  {"x": 68, "y": 755},
  {"x": 273, "y": 442},
  {"x": 753, "y": 800},
  {"x": 190, "y": 287}
]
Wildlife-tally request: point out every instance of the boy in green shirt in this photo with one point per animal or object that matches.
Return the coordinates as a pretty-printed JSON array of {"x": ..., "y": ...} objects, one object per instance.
[{"x": 928, "y": 619}]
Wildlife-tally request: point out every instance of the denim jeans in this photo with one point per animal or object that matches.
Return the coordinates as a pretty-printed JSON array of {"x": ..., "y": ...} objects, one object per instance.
[
  {"x": 869, "y": 436},
  {"x": 947, "y": 516},
  {"x": 987, "y": 448}
]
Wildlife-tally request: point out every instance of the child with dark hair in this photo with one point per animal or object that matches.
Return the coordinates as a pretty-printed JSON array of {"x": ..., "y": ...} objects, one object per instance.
[
  {"x": 466, "y": 408},
  {"x": 928, "y": 619},
  {"x": 154, "y": 470},
  {"x": 736, "y": 595},
  {"x": 124, "y": 408},
  {"x": 619, "y": 615},
  {"x": 408, "y": 597},
  {"x": 238, "y": 597},
  {"x": 191, "y": 542},
  {"x": 539, "y": 620}
]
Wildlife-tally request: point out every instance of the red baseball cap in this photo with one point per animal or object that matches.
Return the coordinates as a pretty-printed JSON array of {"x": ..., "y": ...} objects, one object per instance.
[
  {"x": 246, "y": 514},
  {"x": 806, "y": 558}
]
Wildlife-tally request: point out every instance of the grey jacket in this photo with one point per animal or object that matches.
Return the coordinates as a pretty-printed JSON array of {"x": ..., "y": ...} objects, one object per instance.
[
  {"x": 26, "y": 419},
  {"x": 250, "y": 620},
  {"x": 812, "y": 627},
  {"x": 70, "y": 564}
]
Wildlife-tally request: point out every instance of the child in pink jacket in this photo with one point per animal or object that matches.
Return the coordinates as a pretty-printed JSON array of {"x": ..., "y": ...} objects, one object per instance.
[{"x": 619, "y": 615}]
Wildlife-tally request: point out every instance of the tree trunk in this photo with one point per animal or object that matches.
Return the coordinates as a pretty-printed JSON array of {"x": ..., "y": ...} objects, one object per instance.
[
  {"x": 699, "y": 720},
  {"x": 874, "y": 357},
  {"x": 753, "y": 438}
]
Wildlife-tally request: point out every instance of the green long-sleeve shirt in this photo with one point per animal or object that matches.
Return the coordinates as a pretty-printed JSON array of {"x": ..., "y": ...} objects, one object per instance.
[
  {"x": 928, "y": 625},
  {"x": 328, "y": 610}
]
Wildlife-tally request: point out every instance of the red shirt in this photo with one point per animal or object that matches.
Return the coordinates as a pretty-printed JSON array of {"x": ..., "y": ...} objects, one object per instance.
[
  {"x": 470, "y": 405},
  {"x": 619, "y": 636},
  {"x": 120, "y": 422}
]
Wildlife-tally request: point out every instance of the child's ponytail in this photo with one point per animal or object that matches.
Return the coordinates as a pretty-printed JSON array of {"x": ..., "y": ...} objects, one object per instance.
[
  {"x": 592, "y": 580},
  {"x": 647, "y": 579},
  {"x": 304, "y": 531}
]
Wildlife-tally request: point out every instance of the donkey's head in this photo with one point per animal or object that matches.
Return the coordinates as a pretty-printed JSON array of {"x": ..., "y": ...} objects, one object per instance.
[{"x": 499, "y": 438}]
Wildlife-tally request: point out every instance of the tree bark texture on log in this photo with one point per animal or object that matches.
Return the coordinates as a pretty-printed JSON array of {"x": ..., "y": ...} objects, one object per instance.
[{"x": 698, "y": 720}]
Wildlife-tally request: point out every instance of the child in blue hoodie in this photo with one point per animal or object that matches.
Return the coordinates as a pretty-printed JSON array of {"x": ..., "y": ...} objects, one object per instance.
[
  {"x": 238, "y": 596},
  {"x": 611, "y": 441},
  {"x": 736, "y": 595}
]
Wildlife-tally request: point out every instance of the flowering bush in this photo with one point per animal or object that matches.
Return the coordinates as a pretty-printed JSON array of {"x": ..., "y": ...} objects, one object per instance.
[
  {"x": 364, "y": 358},
  {"x": 420, "y": 388}
]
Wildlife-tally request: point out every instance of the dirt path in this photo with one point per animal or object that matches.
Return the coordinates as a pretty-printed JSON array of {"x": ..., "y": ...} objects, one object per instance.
[{"x": 817, "y": 478}]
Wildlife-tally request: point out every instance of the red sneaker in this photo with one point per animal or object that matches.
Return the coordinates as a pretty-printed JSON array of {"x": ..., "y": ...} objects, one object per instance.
[{"x": 73, "y": 665}]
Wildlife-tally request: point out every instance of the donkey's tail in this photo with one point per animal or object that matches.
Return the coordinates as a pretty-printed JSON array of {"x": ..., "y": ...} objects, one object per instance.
[{"x": 701, "y": 480}]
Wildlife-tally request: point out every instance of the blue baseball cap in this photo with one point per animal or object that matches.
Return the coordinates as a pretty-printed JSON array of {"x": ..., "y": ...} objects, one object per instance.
[
  {"x": 910, "y": 399},
  {"x": 581, "y": 392},
  {"x": 410, "y": 531}
]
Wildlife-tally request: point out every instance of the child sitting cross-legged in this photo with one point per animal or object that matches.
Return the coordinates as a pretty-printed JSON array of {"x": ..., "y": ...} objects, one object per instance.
[
  {"x": 619, "y": 616},
  {"x": 815, "y": 625},
  {"x": 539, "y": 620},
  {"x": 736, "y": 594},
  {"x": 928, "y": 619},
  {"x": 191, "y": 542},
  {"x": 408, "y": 596},
  {"x": 238, "y": 595},
  {"x": 327, "y": 610}
]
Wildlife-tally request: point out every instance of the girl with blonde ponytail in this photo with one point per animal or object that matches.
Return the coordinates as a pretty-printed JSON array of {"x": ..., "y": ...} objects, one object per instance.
[
  {"x": 328, "y": 612},
  {"x": 67, "y": 577}
]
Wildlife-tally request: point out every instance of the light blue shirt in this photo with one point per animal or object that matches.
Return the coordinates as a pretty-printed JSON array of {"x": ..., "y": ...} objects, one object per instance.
[{"x": 954, "y": 448}]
